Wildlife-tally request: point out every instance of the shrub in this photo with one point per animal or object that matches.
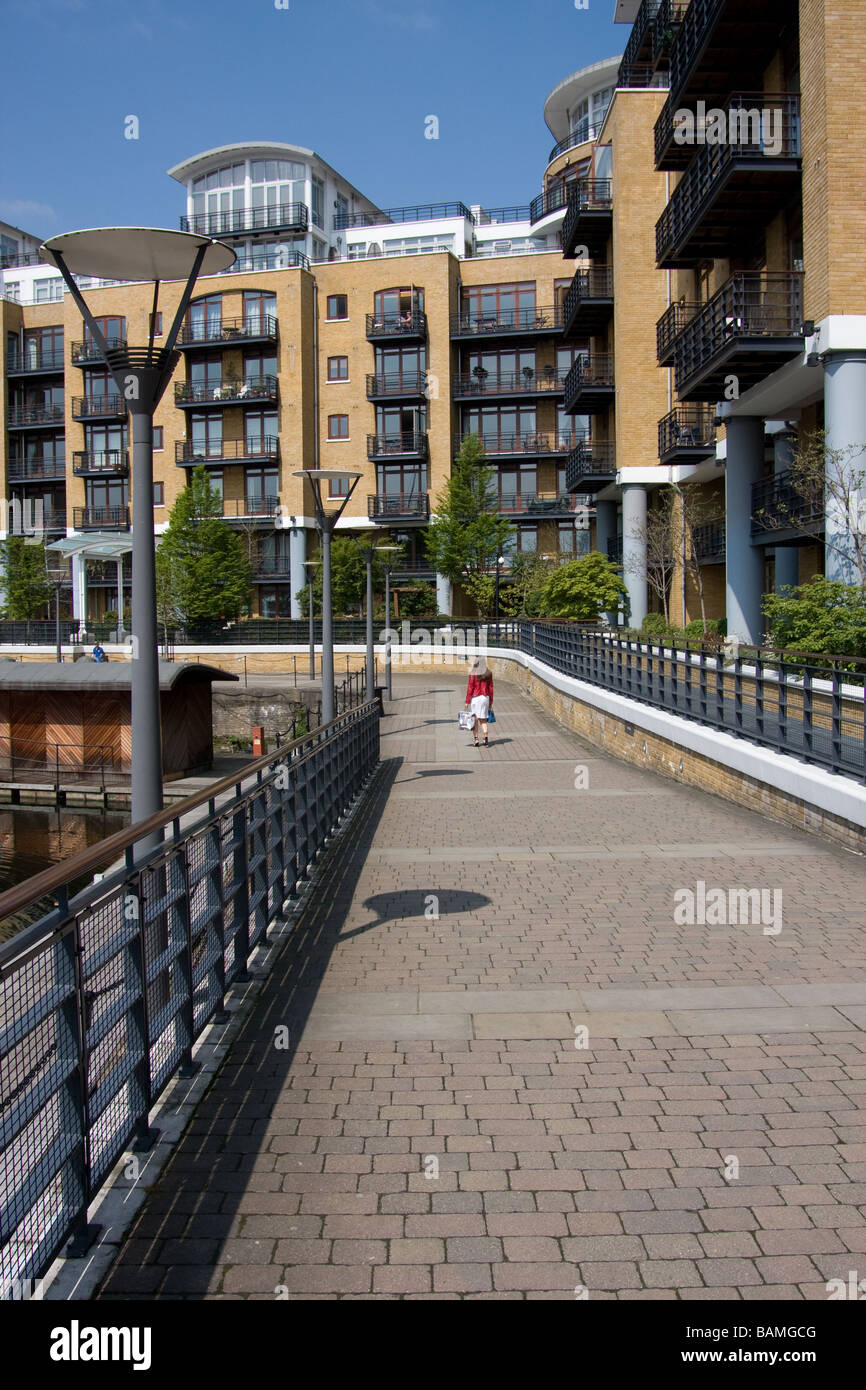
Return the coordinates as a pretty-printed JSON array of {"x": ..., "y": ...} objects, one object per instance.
[
  {"x": 695, "y": 629},
  {"x": 656, "y": 625},
  {"x": 821, "y": 616}
]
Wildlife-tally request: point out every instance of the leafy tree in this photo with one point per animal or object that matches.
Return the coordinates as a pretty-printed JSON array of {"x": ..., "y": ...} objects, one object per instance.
[
  {"x": 467, "y": 535},
  {"x": 203, "y": 572},
  {"x": 348, "y": 579},
  {"x": 583, "y": 589},
  {"x": 523, "y": 596},
  {"x": 27, "y": 586},
  {"x": 821, "y": 616}
]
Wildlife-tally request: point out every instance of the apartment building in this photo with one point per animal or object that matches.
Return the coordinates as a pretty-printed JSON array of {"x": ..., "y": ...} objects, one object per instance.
[{"x": 726, "y": 246}]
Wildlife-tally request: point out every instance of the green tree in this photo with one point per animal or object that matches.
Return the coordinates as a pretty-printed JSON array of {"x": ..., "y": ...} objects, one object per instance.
[
  {"x": 28, "y": 589},
  {"x": 202, "y": 570},
  {"x": 583, "y": 589},
  {"x": 821, "y": 616},
  {"x": 467, "y": 535},
  {"x": 348, "y": 579}
]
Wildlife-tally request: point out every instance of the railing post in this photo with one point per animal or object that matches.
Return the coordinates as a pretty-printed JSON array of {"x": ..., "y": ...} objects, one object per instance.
[
  {"x": 783, "y": 705},
  {"x": 759, "y": 696},
  {"x": 75, "y": 1185},
  {"x": 808, "y": 710}
]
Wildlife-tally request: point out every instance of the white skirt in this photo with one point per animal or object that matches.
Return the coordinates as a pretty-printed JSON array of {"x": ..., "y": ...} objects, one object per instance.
[{"x": 479, "y": 705}]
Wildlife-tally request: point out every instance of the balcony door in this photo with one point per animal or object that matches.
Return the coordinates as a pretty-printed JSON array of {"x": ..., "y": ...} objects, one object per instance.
[
  {"x": 205, "y": 317},
  {"x": 206, "y": 435},
  {"x": 400, "y": 425},
  {"x": 106, "y": 444},
  {"x": 260, "y": 429},
  {"x": 518, "y": 484},
  {"x": 400, "y": 482},
  {"x": 262, "y": 490},
  {"x": 105, "y": 493},
  {"x": 260, "y": 310}
]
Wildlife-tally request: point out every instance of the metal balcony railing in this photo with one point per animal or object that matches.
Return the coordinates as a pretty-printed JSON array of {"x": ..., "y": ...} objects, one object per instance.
[
  {"x": 591, "y": 373},
  {"x": 248, "y": 392},
  {"x": 523, "y": 383},
  {"x": 777, "y": 505},
  {"x": 536, "y": 503},
  {"x": 86, "y": 352},
  {"x": 234, "y": 223},
  {"x": 410, "y": 324},
  {"x": 35, "y": 467},
  {"x": 750, "y": 308},
  {"x": 421, "y": 212},
  {"x": 20, "y": 416},
  {"x": 107, "y": 406},
  {"x": 255, "y": 506},
  {"x": 581, "y": 135},
  {"x": 639, "y": 46},
  {"x": 588, "y": 464},
  {"x": 589, "y": 287},
  {"x": 218, "y": 330},
  {"x": 412, "y": 506},
  {"x": 710, "y": 541},
  {"x": 669, "y": 17},
  {"x": 545, "y": 318},
  {"x": 411, "y": 442},
  {"x": 491, "y": 217},
  {"x": 101, "y": 518},
  {"x": 688, "y": 429},
  {"x": 691, "y": 38},
  {"x": 589, "y": 216},
  {"x": 526, "y": 443},
  {"x": 396, "y": 385},
  {"x": 614, "y": 550},
  {"x": 192, "y": 451},
  {"x": 19, "y": 363},
  {"x": 271, "y": 566},
  {"x": 95, "y": 461},
  {"x": 670, "y": 326},
  {"x": 552, "y": 200}
]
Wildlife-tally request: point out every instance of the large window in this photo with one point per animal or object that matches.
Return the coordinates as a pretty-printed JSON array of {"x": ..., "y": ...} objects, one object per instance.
[
  {"x": 400, "y": 424},
  {"x": 205, "y": 316},
  {"x": 505, "y": 369},
  {"x": 106, "y": 492},
  {"x": 318, "y": 208},
  {"x": 391, "y": 304},
  {"x": 401, "y": 368},
  {"x": 41, "y": 345},
  {"x": 106, "y": 444},
  {"x": 260, "y": 311},
  {"x": 502, "y": 429},
  {"x": 517, "y": 483},
  {"x": 507, "y": 304},
  {"x": 207, "y": 372},
  {"x": 262, "y": 489},
  {"x": 206, "y": 433},
  {"x": 258, "y": 365},
  {"x": 260, "y": 428},
  {"x": 276, "y": 182},
  {"x": 400, "y": 480},
  {"x": 220, "y": 191},
  {"x": 112, "y": 328}
]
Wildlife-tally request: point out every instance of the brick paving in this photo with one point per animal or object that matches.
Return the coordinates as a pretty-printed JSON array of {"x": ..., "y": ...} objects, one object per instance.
[{"x": 441, "y": 1126}]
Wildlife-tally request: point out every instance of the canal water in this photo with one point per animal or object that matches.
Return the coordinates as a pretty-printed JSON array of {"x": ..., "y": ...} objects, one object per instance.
[{"x": 32, "y": 838}]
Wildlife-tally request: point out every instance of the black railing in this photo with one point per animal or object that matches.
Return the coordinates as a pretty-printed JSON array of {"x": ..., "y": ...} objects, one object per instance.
[
  {"x": 95, "y": 461},
  {"x": 270, "y": 566},
  {"x": 552, "y": 200},
  {"x": 710, "y": 541},
  {"x": 584, "y": 132},
  {"x": 87, "y": 351},
  {"x": 536, "y": 503},
  {"x": 523, "y": 383},
  {"x": 639, "y": 46},
  {"x": 545, "y": 318},
  {"x": 590, "y": 463},
  {"x": 587, "y": 288},
  {"x": 22, "y": 470},
  {"x": 101, "y": 1007},
  {"x": 101, "y": 518},
  {"x": 749, "y": 306},
  {"x": 190, "y": 451},
  {"x": 590, "y": 373},
  {"x": 670, "y": 326},
  {"x": 412, "y": 323},
  {"x": 218, "y": 224},
  {"x": 18, "y": 363},
  {"x": 761, "y": 132},
  {"x": 89, "y": 407},
  {"x": 219, "y": 330},
  {"x": 408, "y": 383},
  {"x": 258, "y": 388},
  {"x": 411, "y": 506},
  {"x": 778, "y": 505},
  {"x": 421, "y": 212},
  {"x": 21, "y": 258},
  {"x": 669, "y": 17},
  {"x": 527, "y": 443},
  {"x": 691, "y": 38},
  {"x": 242, "y": 508},
  {"x": 614, "y": 550},
  {"x": 282, "y": 259},
  {"x": 687, "y": 429},
  {"x": 491, "y": 217},
  {"x": 411, "y": 442},
  {"x": 588, "y": 219},
  {"x": 38, "y": 763},
  {"x": 20, "y": 416}
]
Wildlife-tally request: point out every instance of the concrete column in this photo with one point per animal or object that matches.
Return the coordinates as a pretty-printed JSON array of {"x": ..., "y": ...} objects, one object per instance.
[
  {"x": 744, "y": 573},
  {"x": 845, "y": 422},
  {"x": 119, "y": 596},
  {"x": 443, "y": 594},
  {"x": 634, "y": 550},
  {"x": 605, "y": 525},
  {"x": 297, "y": 573},
  {"x": 787, "y": 556},
  {"x": 79, "y": 589}
]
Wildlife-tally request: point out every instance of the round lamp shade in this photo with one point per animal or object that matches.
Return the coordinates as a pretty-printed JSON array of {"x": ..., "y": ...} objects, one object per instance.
[{"x": 137, "y": 253}]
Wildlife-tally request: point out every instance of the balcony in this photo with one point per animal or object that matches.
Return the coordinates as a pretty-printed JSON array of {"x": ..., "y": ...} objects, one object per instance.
[
  {"x": 103, "y": 407},
  {"x": 669, "y": 17},
  {"x": 408, "y": 386},
  {"x": 102, "y": 574},
  {"x": 34, "y": 362},
  {"x": 401, "y": 507},
  {"x": 410, "y": 445},
  {"x": 639, "y": 48},
  {"x": 512, "y": 323},
  {"x": 590, "y": 467},
  {"x": 581, "y": 135},
  {"x": 96, "y": 463},
  {"x": 669, "y": 328},
  {"x": 783, "y": 514},
  {"x": 255, "y": 328},
  {"x": 721, "y": 45},
  {"x": 478, "y": 385},
  {"x": 265, "y": 567},
  {"x": 750, "y": 328},
  {"x": 537, "y": 504},
  {"x": 614, "y": 550},
  {"x": 189, "y": 453},
  {"x": 197, "y": 395},
  {"x": 409, "y": 326},
  {"x": 589, "y": 219},
  {"x": 101, "y": 518},
  {"x": 87, "y": 354},
  {"x": 34, "y": 469},
  {"x": 24, "y": 417},
  {"x": 687, "y": 435},
  {"x": 588, "y": 306},
  {"x": 421, "y": 212},
  {"x": 555, "y": 199},
  {"x": 732, "y": 189},
  {"x": 288, "y": 217},
  {"x": 589, "y": 387},
  {"x": 526, "y": 446},
  {"x": 710, "y": 543},
  {"x": 251, "y": 508}
]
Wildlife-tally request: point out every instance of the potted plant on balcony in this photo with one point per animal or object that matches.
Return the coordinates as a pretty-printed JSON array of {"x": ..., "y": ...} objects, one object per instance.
[
  {"x": 480, "y": 374},
  {"x": 550, "y": 373},
  {"x": 528, "y": 374}
]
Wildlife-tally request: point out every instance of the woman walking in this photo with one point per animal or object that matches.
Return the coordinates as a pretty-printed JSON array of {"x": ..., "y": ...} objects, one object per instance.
[{"x": 479, "y": 696}]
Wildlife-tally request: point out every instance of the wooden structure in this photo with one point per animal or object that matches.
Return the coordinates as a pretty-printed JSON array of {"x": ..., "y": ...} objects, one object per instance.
[{"x": 77, "y": 716}]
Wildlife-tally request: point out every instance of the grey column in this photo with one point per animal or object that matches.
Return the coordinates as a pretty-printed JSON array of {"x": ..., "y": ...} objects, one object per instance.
[
  {"x": 605, "y": 525},
  {"x": 787, "y": 556},
  {"x": 119, "y": 596},
  {"x": 845, "y": 423},
  {"x": 443, "y": 595},
  {"x": 297, "y": 574},
  {"x": 79, "y": 590},
  {"x": 146, "y": 719},
  {"x": 634, "y": 550},
  {"x": 328, "y": 693},
  {"x": 744, "y": 572}
]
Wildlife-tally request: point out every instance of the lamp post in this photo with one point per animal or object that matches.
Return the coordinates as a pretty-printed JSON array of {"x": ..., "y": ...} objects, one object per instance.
[
  {"x": 370, "y": 663},
  {"x": 141, "y": 375},
  {"x": 326, "y": 522},
  {"x": 499, "y": 562},
  {"x": 380, "y": 550},
  {"x": 57, "y": 574},
  {"x": 311, "y": 566}
]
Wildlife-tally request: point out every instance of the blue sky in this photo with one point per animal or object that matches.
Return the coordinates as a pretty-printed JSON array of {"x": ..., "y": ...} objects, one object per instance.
[{"x": 352, "y": 79}]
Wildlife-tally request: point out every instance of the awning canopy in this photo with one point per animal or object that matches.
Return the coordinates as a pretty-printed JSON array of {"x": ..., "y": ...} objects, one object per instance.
[{"x": 95, "y": 546}]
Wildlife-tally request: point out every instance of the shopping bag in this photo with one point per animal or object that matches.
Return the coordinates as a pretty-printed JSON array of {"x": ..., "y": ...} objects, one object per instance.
[
  {"x": 465, "y": 720},
  {"x": 491, "y": 718}
]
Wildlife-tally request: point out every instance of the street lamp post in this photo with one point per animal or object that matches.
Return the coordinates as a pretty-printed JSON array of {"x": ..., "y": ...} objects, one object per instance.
[
  {"x": 57, "y": 576},
  {"x": 388, "y": 549},
  {"x": 326, "y": 522},
  {"x": 141, "y": 376},
  {"x": 499, "y": 560},
  {"x": 311, "y": 566}
]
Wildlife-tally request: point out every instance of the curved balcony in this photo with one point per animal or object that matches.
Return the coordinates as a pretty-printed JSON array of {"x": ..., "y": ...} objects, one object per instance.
[
  {"x": 100, "y": 518},
  {"x": 197, "y": 395},
  {"x": 531, "y": 322},
  {"x": 590, "y": 467},
  {"x": 388, "y": 508},
  {"x": 287, "y": 217},
  {"x": 408, "y": 386},
  {"x": 546, "y": 204},
  {"x": 751, "y": 327},
  {"x": 34, "y": 363},
  {"x": 477, "y": 386},
  {"x": 95, "y": 463},
  {"x": 589, "y": 219},
  {"x": 588, "y": 306},
  {"x": 190, "y": 453},
  {"x": 589, "y": 387},
  {"x": 687, "y": 434},
  {"x": 255, "y": 328},
  {"x": 409, "y": 326},
  {"x": 102, "y": 407},
  {"x": 23, "y": 417},
  {"x": 87, "y": 354},
  {"x": 411, "y": 445},
  {"x": 583, "y": 135}
]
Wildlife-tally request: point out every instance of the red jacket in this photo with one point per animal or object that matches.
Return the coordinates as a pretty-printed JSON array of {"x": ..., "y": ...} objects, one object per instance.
[{"x": 477, "y": 686}]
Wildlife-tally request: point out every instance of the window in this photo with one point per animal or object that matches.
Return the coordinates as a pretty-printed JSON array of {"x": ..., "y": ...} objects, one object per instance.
[
  {"x": 159, "y": 494},
  {"x": 47, "y": 291},
  {"x": 318, "y": 190},
  {"x": 502, "y": 429},
  {"x": 261, "y": 491},
  {"x": 206, "y": 434},
  {"x": 155, "y": 322},
  {"x": 113, "y": 330},
  {"x": 338, "y": 427},
  {"x": 260, "y": 311},
  {"x": 275, "y": 183},
  {"x": 401, "y": 369},
  {"x": 158, "y": 442},
  {"x": 339, "y": 487},
  {"x": 338, "y": 369},
  {"x": 338, "y": 306},
  {"x": 509, "y": 305},
  {"x": 341, "y": 218},
  {"x": 204, "y": 320}
]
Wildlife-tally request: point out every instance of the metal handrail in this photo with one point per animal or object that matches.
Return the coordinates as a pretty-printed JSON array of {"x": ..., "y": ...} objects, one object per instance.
[
  {"x": 412, "y": 323},
  {"x": 86, "y": 461},
  {"x": 190, "y": 451},
  {"x": 757, "y": 304},
  {"x": 422, "y": 212},
  {"x": 671, "y": 325},
  {"x": 779, "y": 504},
  {"x": 257, "y": 388},
  {"x": 220, "y": 330},
  {"x": 40, "y": 361},
  {"x": 35, "y": 415},
  {"x": 247, "y": 220},
  {"x": 526, "y": 382},
  {"x": 410, "y": 504},
  {"x": 408, "y": 383},
  {"x": 35, "y": 467},
  {"x": 590, "y": 371},
  {"x": 581, "y": 136},
  {"x": 105, "y": 404},
  {"x": 544, "y": 318},
  {"x": 710, "y": 540},
  {"x": 527, "y": 443},
  {"x": 410, "y": 442},
  {"x": 587, "y": 285},
  {"x": 87, "y": 351},
  {"x": 687, "y": 427},
  {"x": 100, "y": 516}
]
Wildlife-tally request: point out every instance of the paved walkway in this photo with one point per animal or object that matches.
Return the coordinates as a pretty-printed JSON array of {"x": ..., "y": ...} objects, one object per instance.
[{"x": 513, "y": 1073}]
